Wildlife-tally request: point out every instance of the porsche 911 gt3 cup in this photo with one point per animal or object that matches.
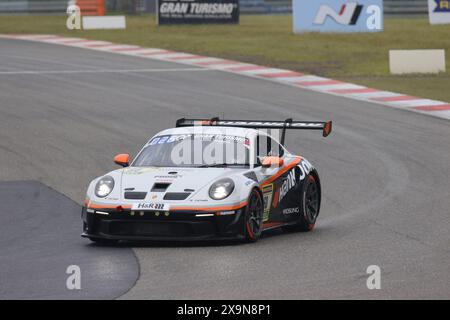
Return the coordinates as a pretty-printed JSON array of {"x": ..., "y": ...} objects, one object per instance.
[{"x": 207, "y": 179}]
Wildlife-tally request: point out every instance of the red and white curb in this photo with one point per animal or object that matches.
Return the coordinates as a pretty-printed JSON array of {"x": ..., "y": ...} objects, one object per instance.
[{"x": 434, "y": 108}]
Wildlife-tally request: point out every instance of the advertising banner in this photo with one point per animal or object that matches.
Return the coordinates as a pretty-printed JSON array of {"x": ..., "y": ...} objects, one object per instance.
[
  {"x": 439, "y": 11},
  {"x": 338, "y": 16},
  {"x": 197, "y": 11}
]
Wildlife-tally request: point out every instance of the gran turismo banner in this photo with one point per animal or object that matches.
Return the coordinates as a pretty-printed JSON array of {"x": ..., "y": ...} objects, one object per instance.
[{"x": 197, "y": 11}]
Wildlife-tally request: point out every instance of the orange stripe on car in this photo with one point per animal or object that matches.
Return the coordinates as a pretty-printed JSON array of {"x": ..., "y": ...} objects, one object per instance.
[
  {"x": 282, "y": 170},
  {"x": 91, "y": 205}
]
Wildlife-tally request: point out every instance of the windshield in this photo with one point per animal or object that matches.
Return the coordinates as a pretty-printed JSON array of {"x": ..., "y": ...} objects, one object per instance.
[{"x": 195, "y": 150}]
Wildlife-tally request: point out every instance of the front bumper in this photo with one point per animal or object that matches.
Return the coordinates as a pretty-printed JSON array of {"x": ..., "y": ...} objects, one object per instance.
[{"x": 165, "y": 226}]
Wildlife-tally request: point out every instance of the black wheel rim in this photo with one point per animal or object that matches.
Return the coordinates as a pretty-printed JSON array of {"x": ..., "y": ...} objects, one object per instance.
[
  {"x": 312, "y": 201},
  {"x": 255, "y": 218}
]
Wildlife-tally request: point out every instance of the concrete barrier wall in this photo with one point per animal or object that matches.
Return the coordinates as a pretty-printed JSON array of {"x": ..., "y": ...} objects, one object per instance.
[{"x": 416, "y": 61}]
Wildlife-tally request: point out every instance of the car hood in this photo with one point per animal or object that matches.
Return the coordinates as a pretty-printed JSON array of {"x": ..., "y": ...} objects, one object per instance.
[{"x": 143, "y": 179}]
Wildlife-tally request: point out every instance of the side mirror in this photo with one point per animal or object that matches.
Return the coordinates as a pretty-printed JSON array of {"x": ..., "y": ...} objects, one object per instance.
[
  {"x": 272, "y": 162},
  {"x": 122, "y": 159}
]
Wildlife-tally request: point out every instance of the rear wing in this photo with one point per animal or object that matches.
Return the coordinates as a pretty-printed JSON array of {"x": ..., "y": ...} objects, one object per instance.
[{"x": 325, "y": 127}]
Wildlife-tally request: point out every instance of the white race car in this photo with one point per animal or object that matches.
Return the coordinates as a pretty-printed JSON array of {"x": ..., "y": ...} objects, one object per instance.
[{"x": 206, "y": 179}]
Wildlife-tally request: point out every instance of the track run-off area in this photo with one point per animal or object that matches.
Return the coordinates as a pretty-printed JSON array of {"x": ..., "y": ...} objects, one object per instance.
[{"x": 65, "y": 112}]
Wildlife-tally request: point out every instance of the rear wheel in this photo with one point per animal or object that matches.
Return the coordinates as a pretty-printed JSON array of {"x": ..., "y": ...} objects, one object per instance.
[
  {"x": 254, "y": 216},
  {"x": 310, "y": 206}
]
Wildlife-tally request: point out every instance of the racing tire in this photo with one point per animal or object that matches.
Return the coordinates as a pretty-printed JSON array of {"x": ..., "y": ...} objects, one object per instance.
[
  {"x": 105, "y": 242},
  {"x": 253, "y": 217},
  {"x": 310, "y": 206}
]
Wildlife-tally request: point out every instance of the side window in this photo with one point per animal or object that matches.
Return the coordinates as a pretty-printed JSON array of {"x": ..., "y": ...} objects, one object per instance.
[{"x": 268, "y": 147}]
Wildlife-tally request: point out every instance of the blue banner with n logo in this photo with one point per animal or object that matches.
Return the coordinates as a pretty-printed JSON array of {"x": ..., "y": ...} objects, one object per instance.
[{"x": 338, "y": 16}]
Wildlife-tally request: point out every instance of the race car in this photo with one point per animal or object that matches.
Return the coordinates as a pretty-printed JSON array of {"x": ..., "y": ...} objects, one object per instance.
[{"x": 207, "y": 179}]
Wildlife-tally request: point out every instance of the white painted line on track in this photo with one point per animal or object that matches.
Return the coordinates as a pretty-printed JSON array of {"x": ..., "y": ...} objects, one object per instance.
[
  {"x": 310, "y": 78},
  {"x": 199, "y": 61},
  {"x": 341, "y": 86},
  {"x": 375, "y": 94},
  {"x": 291, "y": 79},
  {"x": 37, "y": 72},
  {"x": 416, "y": 103},
  {"x": 443, "y": 114},
  {"x": 264, "y": 71}
]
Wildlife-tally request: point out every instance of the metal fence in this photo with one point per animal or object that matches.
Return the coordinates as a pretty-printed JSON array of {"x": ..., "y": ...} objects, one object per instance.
[
  {"x": 406, "y": 6},
  {"x": 285, "y": 6},
  {"x": 247, "y": 6},
  {"x": 29, "y": 6}
]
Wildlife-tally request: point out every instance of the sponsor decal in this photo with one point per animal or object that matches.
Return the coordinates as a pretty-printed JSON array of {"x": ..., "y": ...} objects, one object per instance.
[
  {"x": 202, "y": 137},
  {"x": 291, "y": 210},
  {"x": 305, "y": 168},
  {"x": 150, "y": 206},
  {"x": 138, "y": 171},
  {"x": 168, "y": 139},
  {"x": 276, "y": 198},
  {"x": 287, "y": 185},
  {"x": 290, "y": 181},
  {"x": 267, "y": 198},
  {"x": 197, "y": 11},
  {"x": 168, "y": 178},
  {"x": 163, "y": 140},
  {"x": 271, "y": 124}
]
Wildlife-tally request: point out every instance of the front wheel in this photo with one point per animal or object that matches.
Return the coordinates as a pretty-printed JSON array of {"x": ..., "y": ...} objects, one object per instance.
[
  {"x": 254, "y": 217},
  {"x": 310, "y": 200}
]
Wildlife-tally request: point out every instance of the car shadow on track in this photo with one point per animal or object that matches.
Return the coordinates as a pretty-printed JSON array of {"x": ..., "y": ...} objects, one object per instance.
[
  {"x": 268, "y": 235},
  {"x": 169, "y": 244}
]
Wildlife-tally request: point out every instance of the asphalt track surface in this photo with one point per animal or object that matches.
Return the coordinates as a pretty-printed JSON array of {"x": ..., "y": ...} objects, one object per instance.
[
  {"x": 385, "y": 175},
  {"x": 40, "y": 240}
]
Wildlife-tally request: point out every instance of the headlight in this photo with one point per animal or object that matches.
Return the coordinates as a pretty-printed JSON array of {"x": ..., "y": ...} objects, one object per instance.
[
  {"x": 221, "y": 189},
  {"x": 104, "y": 186}
]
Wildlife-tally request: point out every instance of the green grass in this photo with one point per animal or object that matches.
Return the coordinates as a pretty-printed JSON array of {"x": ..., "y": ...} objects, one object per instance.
[{"x": 268, "y": 40}]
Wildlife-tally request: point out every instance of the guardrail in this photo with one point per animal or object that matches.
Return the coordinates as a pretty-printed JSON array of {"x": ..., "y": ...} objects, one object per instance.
[
  {"x": 45, "y": 6},
  {"x": 406, "y": 6},
  {"x": 88, "y": 7},
  {"x": 97, "y": 7},
  {"x": 285, "y": 6}
]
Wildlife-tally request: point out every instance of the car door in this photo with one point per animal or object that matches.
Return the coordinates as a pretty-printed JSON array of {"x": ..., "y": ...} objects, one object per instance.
[{"x": 275, "y": 182}]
